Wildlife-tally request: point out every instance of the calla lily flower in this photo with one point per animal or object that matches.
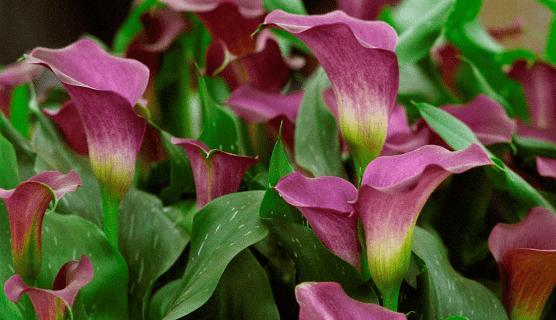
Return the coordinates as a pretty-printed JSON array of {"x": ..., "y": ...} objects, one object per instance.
[
  {"x": 401, "y": 137},
  {"x": 364, "y": 9},
  {"x": 526, "y": 256},
  {"x": 52, "y": 304},
  {"x": 359, "y": 58},
  {"x": 546, "y": 167},
  {"x": 486, "y": 118},
  {"x": 388, "y": 205},
  {"x": 26, "y": 206},
  {"x": 104, "y": 90},
  {"x": 70, "y": 125},
  {"x": 215, "y": 172},
  {"x": 12, "y": 76},
  {"x": 327, "y": 300}
]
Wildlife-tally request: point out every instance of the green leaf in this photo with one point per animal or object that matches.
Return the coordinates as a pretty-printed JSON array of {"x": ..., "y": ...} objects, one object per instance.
[
  {"x": 416, "y": 41},
  {"x": 446, "y": 292},
  {"x": 23, "y": 149},
  {"x": 221, "y": 229},
  {"x": 273, "y": 206},
  {"x": 131, "y": 26},
  {"x": 531, "y": 147},
  {"x": 242, "y": 293},
  {"x": 150, "y": 242},
  {"x": 9, "y": 176},
  {"x": 68, "y": 237},
  {"x": 19, "y": 109},
  {"x": 219, "y": 124},
  {"x": 458, "y": 136},
  {"x": 314, "y": 262},
  {"x": 54, "y": 154},
  {"x": 181, "y": 176},
  {"x": 550, "y": 51},
  {"x": 291, "y": 6},
  {"x": 317, "y": 146}
]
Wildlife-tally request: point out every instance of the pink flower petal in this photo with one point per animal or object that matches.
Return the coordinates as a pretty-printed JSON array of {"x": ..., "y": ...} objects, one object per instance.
[
  {"x": 401, "y": 138},
  {"x": 327, "y": 300},
  {"x": 546, "y": 167},
  {"x": 215, "y": 172},
  {"x": 51, "y": 304},
  {"x": 69, "y": 123},
  {"x": 12, "y": 76},
  {"x": 26, "y": 206},
  {"x": 364, "y": 9},
  {"x": 326, "y": 204}
]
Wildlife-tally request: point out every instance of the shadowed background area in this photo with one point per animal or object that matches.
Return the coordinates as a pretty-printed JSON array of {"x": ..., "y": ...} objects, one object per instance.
[{"x": 56, "y": 23}]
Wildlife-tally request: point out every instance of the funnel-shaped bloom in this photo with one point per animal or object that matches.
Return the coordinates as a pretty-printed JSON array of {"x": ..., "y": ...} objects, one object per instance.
[
  {"x": 486, "y": 118},
  {"x": 26, "y": 206},
  {"x": 71, "y": 127},
  {"x": 12, "y": 76},
  {"x": 52, "y": 304},
  {"x": 359, "y": 58},
  {"x": 526, "y": 256},
  {"x": 326, "y": 203},
  {"x": 104, "y": 90},
  {"x": 393, "y": 191},
  {"x": 327, "y": 300},
  {"x": 364, "y": 9},
  {"x": 215, "y": 172}
]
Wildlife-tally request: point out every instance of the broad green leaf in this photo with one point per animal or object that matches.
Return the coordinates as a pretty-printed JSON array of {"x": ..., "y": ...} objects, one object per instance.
[
  {"x": 243, "y": 292},
  {"x": 181, "y": 176},
  {"x": 458, "y": 136},
  {"x": 19, "y": 109},
  {"x": 416, "y": 84},
  {"x": 530, "y": 147},
  {"x": 219, "y": 124},
  {"x": 446, "y": 292},
  {"x": 22, "y": 147},
  {"x": 314, "y": 262},
  {"x": 221, "y": 229},
  {"x": 150, "y": 242},
  {"x": 317, "y": 146},
  {"x": 9, "y": 174},
  {"x": 131, "y": 26},
  {"x": 182, "y": 214},
  {"x": 416, "y": 41},
  {"x": 54, "y": 154},
  {"x": 273, "y": 206},
  {"x": 550, "y": 51},
  {"x": 409, "y": 11},
  {"x": 162, "y": 298},
  {"x": 291, "y": 6},
  {"x": 68, "y": 237}
]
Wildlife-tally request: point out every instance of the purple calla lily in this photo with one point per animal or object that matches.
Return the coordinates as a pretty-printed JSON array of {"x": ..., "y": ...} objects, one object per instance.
[
  {"x": 70, "y": 125},
  {"x": 52, "y": 304},
  {"x": 104, "y": 90},
  {"x": 526, "y": 256},
  {"x": 327, "y": 300},
  {"x": 359, "y": 58},
  {"x": 215, "y": 172},
  {"x": 12, "y": 76},
  {"x": 401, "y": 137},
  {"x": 26, "y": 206},
  {"x": 388, "y": 205},
  {"x": 364, "y": 9}
]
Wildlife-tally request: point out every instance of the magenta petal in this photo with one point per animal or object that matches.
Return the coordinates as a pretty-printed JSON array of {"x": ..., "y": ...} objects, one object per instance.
[
  {"x": 248, "y": 8},
  {"x": 51, "y": 304},
  {"x": 104, "y": 90},
  {"x": 69, "y": 123},
  {"x": 390, "y": 201},
  {"x": 26, "y": 206},
  {"x": 546, "y": 167},
  {"x": 358, "y": 57},
  {"x": 526, "y": 257},
  {"x": 12, "y": 76},
  {"x": 327, "y": 300},
  {"x": 257, "y": 106},
  {"x": 364, "y": 9},
  {"x": 326, "y": 204},
  {"x": 486, "y": 118},
  {"x": 215, "y": 172},
  {"x": 401, "y": 138}
]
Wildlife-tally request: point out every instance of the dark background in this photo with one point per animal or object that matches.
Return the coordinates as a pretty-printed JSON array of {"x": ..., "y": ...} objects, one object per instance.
[{"x": 25, "y": 24}]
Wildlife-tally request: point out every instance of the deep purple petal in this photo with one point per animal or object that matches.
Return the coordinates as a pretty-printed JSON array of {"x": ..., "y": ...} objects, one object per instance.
[
  {"x": 546, "y": 167},
  {"x": 486, "y": 118},
  {"x": 526, "y": 257},
  {"x": 104, "y": 90},
  {"x": 258, "y": 106},
  {"x": 69, "y": 123},
  {"x": 327, "y": 300},
  {"x": 358, "y": 57},
  {"x": 248, "y": 8},
  {"x": 26, "y": 206},
  {"x": 401, "y": 138},
  {"x": 326, "y": 204},
  {"x": 215, "y": 172},
  {"x": 393, "y": 191},
  {"x": 364, "y": 9},
  {"x": 51, "y": 304}
]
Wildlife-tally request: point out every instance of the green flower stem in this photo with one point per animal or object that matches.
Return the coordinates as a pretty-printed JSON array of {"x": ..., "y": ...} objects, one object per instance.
[
  {"x": 110, "y": 216},
  {"x": 390, "y": 298}
]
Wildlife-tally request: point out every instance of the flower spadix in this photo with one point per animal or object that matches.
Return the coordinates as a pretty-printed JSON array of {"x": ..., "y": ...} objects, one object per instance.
[
  {"x": 26, "y": 206},
  {"x": 526, "y": 256},
  {"x": 104, "y": 90},
  {"x": 359, "y": 58}
]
